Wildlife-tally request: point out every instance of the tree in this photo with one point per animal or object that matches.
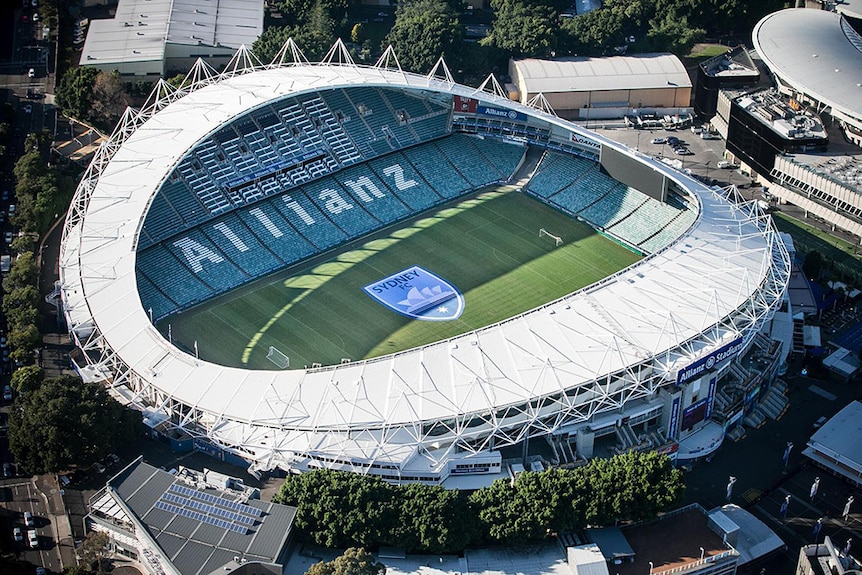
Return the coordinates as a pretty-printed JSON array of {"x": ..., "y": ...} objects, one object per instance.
[
  {"x": 75, "y": 91},
  {"x": 68, "y": 421},
  {"x": 337, "y": 509},
  {"x": 673, "y": 34},
  {"x": 424, "y": 30},
  {"x": 522, "y": 28},
  {"x": 27, "y": 378},
  {"x": 23, "y": 340},
  {"x": 94, "y": 549},
  {"x": 109, "y": 99},
  {"x": 24, "y": 272},
  {"x": 354, "y": 561},
  {"x": 434, "y": 520}
]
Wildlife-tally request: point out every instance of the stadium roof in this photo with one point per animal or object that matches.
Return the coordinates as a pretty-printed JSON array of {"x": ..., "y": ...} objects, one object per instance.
[
  {"x": 722, "y": 266},
  {"x": 642, "y": 71},
  {"x": 815, "y": 52},
  {"x": 141, "y": 28},
  {"x": 193, "y": 545}
]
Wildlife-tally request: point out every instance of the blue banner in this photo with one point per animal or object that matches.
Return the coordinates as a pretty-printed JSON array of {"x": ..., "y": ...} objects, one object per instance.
[
  {"x": 708, "y": 362},
  {"x": 501, "y": 113},
  {"x": 711, "y": 397},
  {"x": 674, "y": 418}
]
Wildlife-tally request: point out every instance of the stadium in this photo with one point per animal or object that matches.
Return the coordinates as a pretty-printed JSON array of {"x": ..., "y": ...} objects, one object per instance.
[{"x": 303, "y": 265}]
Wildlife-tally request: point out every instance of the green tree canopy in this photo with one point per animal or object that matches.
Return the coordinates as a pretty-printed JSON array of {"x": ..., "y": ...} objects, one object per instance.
[
  {"x": 523, "y": 28},
  {"x": 424, "y": 30},
  {"x": 26, "y": 379},
  {"x": 354, "y": 561},
  {"x": 673, "y": 34},
  {"x": 23, "y": 273},
  {"x": 66, "y": 421},
  {"x": 75, "y": 91},
  {"x": 434, "y": 519}
]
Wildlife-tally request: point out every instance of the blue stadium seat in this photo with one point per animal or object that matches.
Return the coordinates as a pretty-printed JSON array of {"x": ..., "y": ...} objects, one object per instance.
[
  {"x": 462, "y": 153},
  {"x": 299, "y": 210},
  {"x": 153, "y": 299},
  {"x": 395, "y": 170},
  {"x": 366, "y": 190},
  {"x": 162, "y": 220},
  {"x": 645, "y": 221},
  {"x": 339, "y": 207},
  {"x": 437, "y": 171},
  {"x": 233, "y": 237},
  {"x": 555, "y": 172},
  {"x": 274, "y": 232},
  {"x": 671, "y": 232},
  {"x": 221, "y": 274},
  {"x": 172, "y": 277}
]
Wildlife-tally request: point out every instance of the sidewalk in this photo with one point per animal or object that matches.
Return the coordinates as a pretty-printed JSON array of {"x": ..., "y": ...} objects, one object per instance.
[{"x": 49, "y": 490}]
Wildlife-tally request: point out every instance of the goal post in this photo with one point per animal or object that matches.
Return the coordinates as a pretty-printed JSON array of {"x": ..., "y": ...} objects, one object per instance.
[
  {"x": 278, "y": 358},
  {"x": 545, "y": 233}
]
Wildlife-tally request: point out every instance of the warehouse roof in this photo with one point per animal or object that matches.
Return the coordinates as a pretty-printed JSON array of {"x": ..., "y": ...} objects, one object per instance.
[
  {"x": 141, "y": 28},
  {"x": 642, "y": 71}
]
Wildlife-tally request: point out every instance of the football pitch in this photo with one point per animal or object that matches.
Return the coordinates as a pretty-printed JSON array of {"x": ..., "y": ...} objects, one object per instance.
[{"x": 487, "y": 246}]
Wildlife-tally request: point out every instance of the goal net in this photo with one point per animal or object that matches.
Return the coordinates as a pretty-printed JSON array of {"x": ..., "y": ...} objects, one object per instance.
[
  {"x": 545, "y": 233},
  {"x": 278, "y": 358}
]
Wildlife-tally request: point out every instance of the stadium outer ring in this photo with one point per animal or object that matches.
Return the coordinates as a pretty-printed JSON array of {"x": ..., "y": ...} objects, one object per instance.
[{"x": 413, "y": 412}]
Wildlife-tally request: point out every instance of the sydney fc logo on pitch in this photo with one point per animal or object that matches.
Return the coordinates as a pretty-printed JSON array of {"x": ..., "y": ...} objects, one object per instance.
[{"x": 417, "y": 293}]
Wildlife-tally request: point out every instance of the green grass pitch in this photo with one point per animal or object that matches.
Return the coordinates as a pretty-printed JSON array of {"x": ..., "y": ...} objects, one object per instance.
[{"x": 487, "y": 246}]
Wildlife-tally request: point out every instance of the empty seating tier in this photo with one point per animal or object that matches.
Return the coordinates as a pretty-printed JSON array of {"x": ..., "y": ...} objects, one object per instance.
[{"x": 287, "y": 224}]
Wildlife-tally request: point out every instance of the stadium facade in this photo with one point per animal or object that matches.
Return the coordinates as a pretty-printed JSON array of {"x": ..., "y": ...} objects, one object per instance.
[{"x": 194, "y": 193}]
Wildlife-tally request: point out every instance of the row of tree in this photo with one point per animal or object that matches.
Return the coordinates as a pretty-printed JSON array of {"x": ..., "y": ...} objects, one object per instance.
[
  {"x": 336, "y": 509},
  {"x": 426, "y": 29}
]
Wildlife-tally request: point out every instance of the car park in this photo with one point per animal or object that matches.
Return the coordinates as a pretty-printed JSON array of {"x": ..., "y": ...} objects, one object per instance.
[{"x": 33, "y": 539}]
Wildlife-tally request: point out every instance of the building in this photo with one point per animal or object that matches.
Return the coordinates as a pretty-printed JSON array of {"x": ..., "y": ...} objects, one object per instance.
[
  {"x": 837, "y": 445},
  {"x": 147, "y": 39},
  {"x": 732, "y": 70},
  {"x": 763, "y": 124},
  {"x": 826, "y": 559},
  {"x": 674, "y": 346},
  {"x": 174, "y": 525},
  {"x": 689, "y": 540},
  {"x": 600, "y": 88},
  {"x": 813, "y": 55}
]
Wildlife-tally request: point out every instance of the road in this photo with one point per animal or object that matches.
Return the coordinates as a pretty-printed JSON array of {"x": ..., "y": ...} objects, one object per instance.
[{"x": 24, "y": 496}]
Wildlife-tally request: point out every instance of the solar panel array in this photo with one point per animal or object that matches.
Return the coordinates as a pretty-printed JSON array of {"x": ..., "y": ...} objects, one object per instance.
[
  {"x": 170, "y": 508},
  {"x": 215, "y": 500},
  {"x": 207, "y": 508}
]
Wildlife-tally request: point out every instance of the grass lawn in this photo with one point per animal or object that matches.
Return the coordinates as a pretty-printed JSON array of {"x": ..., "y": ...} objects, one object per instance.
[
  {"x": 486, "y": 246},
  {"x": 837, "y": 253}
]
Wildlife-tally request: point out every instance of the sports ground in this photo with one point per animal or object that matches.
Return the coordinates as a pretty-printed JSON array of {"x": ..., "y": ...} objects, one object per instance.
[{"x": 487, "y": 246}]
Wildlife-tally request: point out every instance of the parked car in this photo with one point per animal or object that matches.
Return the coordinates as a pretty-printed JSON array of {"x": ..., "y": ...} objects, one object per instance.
[
  {"x": 7, "y": 469},
  {"x": 673, "y": 140},
  {"x": 723, "y": 164},
  {"x": 658, "y": 141},
  {"x": 17, "y": 535},
  {"x": 7, "y": 392},
  {"x": 99, "y": 467},
  {"x": 28, "y": 519},
  {"x": 31, "y": 73},
  {"x": 33, "y": 539}
]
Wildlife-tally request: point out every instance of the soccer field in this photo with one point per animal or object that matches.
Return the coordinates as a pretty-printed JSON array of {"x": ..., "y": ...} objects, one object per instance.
[{"x": 487, "y": 246}]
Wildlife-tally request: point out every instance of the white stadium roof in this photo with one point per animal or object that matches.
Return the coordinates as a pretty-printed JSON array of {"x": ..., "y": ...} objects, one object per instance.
[
  {"x": 658, "y": 309},
  {"x": 642, "y": 71},
  {"x": 817, "y": 53}
]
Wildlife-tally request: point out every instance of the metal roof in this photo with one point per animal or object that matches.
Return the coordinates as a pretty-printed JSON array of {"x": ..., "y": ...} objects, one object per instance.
[
  {"x": 840, "y": 438},
  {"x": 642, "y": 71},
  {"x": 728, "y": 262},
  {"x": 817, "y": 53},
  {"x": 141, "y": 28},
  {"x": 191, "y": 545}
]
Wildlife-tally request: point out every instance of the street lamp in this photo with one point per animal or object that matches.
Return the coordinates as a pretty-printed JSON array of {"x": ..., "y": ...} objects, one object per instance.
[
  {"x": 650, "y": 567},
  {"x": 784, "y": 506},
  {"x": 817, "y": 528},
  {"x": 701, "y": 553},
  {"x": 847, "y": 505},
  {"x": 786, "y": 456},
  {"x": 814, "y": 487}
]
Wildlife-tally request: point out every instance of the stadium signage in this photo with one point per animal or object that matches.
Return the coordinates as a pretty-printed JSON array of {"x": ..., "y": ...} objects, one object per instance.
[
  {"x": 330, "y": 201},
  {"x": 709, "y": 362},
  {"x": 501, "y": 113},
  {"x": 418, "y": 294},
  {"x": 579, "y": 139}
]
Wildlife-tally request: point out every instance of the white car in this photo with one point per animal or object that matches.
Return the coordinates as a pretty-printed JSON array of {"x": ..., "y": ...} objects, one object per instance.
[
  {"x": 723, "y": 164},
  {"x": 33, "y": 539},
  {"x": 658, "y": 140},
  {"x": 17, "y": 534},
  {"x": 28, "y": 519}
]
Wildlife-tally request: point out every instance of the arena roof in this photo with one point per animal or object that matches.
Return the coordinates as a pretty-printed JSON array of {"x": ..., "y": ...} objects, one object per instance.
[
  {"x": 141, "y": 28},
  {"x": 720, "y": 267},
  {"x": 643, "y": 71},
  {"x": 817, "y": 53}
]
